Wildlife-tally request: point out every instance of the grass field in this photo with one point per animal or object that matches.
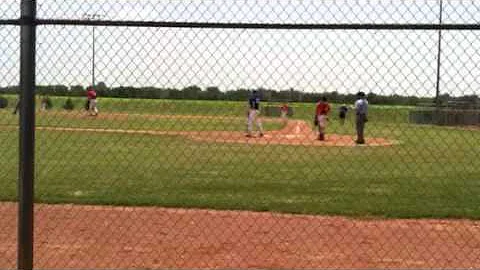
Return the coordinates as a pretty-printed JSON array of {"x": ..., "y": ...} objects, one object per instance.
[{"x": 433, "y": 172}]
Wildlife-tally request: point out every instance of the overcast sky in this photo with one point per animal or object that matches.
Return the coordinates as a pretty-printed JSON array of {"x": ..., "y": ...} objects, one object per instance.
[{"x": 383, "y": 61}]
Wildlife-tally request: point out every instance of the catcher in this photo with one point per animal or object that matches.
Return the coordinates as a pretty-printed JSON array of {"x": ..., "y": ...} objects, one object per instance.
[{"x": 321, "y": 117}]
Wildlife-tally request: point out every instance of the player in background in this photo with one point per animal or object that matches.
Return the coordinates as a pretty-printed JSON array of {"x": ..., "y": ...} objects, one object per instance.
[
  {"x": 92, "y": 101},
  {"x": 342, "y": 113},
  {"x": 284, "y": 112},
  {"x": 321, "y": 117},
  {"x": 361, "y": 112},
  {"x": 254, "y": 114}
]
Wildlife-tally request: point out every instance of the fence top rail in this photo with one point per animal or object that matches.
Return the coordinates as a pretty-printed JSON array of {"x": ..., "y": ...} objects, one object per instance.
[{"x": 228, "y": 25}]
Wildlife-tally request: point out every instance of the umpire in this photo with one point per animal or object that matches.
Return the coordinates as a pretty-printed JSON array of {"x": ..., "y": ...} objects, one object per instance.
[{"x": 361, "y": 110}]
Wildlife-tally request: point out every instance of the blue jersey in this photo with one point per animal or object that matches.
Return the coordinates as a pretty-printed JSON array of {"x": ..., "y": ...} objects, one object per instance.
[{"x": 254, "y": 103}]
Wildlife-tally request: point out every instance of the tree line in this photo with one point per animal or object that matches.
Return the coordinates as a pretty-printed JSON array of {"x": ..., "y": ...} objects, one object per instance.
[{"x": 214, "y": 93}]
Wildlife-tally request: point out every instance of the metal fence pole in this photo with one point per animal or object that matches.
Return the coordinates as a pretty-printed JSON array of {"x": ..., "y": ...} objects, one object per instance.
[
  {"x": 27, "y": 135},
  {"x": 439, "y": 54},
  {"x": 93, "y": 57}
]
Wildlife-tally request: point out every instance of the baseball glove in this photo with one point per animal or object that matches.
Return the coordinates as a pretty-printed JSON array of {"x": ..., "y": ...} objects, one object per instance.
[
  {"x": 87, "y": 105},
  {"x": 315, "y": 120}
]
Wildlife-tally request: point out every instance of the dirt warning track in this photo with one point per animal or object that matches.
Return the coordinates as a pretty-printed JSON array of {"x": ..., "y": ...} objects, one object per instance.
[{"x": 87, "y": 237}]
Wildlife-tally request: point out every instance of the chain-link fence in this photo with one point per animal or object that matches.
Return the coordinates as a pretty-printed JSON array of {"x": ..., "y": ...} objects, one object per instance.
[{"x": 231, "y": 134}]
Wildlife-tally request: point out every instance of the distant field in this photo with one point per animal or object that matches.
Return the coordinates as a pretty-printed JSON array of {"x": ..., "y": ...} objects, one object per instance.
[
  {"x": 433, "y": 172},
  {"x": 381, "y": 113}
]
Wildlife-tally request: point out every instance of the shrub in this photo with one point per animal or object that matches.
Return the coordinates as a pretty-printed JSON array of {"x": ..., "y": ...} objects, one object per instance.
[
  {"x": 3, "y": 102},
  {"x": 68, "y": 104}
]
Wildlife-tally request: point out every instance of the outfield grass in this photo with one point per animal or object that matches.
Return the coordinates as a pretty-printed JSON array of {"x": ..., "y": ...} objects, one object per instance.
[{"x": 433, "y": 172}]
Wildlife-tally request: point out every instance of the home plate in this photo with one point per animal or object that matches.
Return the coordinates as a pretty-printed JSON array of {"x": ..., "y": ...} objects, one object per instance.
[{"x": 293, "y": 136}]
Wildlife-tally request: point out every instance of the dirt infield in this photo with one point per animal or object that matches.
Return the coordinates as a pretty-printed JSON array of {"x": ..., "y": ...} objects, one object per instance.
[
  {"x": 295, "y": 132},
  {"x": 70, "y": 236}
]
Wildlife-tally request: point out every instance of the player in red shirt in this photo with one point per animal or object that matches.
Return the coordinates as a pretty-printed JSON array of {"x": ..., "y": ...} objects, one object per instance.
[
  {"x": 321, "y": 117},
  {"x": 92, "y": 101}
]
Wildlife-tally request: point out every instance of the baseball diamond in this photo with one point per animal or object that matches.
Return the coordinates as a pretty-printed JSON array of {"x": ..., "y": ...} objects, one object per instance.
[
  {"x": 296, "y": 132},
  {"x": 239, "y": 134}
]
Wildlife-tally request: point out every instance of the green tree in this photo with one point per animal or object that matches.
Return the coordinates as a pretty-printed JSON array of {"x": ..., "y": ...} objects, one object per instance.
[
  {"x": 101, "y": 86},
  {"x": 191, "y": 92},
  {"x": 77, "y": 90},
  {"x": 212, "y": 92}
]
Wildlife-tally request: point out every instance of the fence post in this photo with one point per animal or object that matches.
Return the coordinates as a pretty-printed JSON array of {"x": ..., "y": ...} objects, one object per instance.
[{"x": 27, "y": 134}]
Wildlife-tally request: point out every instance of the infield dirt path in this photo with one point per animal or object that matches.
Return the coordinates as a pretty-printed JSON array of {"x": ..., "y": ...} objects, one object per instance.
[{"x": 295, "y": 132}]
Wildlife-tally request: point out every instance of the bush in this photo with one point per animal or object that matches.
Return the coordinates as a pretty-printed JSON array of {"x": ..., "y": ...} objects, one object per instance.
[
  {"x": 3, "y": 102},
  {"x": 68, "y": 104}
]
